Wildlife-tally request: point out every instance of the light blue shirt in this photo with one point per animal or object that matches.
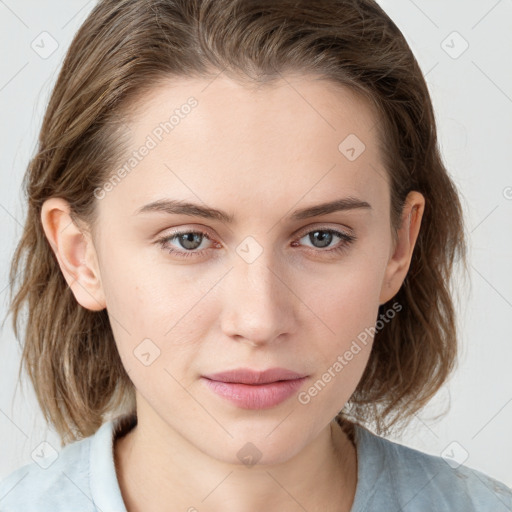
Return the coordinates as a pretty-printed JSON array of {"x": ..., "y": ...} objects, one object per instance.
[{"x": 391, "y": 478}]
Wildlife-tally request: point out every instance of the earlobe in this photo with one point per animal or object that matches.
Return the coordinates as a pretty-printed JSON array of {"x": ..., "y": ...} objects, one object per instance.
[
  {"x": 75, "y": 253},
  {"x": 400, "y": 259}
]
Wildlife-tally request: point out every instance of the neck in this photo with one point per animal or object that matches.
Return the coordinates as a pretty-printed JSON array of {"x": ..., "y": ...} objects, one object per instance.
[{"x": 167, "y": 473}]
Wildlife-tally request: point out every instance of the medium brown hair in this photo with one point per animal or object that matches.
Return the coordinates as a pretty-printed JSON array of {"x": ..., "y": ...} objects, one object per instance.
[{"x": 127, "y": 47}]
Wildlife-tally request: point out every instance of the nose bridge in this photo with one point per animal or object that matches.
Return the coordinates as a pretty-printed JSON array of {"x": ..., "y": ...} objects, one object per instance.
[{"x": 259, "y": 307}]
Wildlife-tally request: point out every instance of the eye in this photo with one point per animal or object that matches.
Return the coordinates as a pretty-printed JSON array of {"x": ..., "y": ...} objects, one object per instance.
[
  {"x": 324, "y": 237},
  {"x": 187, "y": 243}
]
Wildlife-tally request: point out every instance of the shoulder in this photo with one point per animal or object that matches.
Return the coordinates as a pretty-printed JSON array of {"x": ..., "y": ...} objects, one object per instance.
[
  {"x": 58, "y": 481},
  {"x": 418, "y": 481},
  {"x": 79, "y": 478}
]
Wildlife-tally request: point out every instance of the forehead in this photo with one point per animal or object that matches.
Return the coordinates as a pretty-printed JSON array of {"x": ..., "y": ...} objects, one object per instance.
[
  {"x": 315, "y": 107},
  {"x": 288, "y": 141}
]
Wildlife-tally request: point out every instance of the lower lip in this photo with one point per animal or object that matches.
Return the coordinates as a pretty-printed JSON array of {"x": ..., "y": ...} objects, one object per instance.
[{"x": 260, "y": 396}]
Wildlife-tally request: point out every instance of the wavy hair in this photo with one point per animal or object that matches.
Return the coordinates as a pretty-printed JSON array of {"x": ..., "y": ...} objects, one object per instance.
[{"x": 127, "y": 47}]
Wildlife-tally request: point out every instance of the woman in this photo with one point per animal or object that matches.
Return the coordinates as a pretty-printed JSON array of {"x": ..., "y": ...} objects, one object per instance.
[{"x": 238, "y": 250}]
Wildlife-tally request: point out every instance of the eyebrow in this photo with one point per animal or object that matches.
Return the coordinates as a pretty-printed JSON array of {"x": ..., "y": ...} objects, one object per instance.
[{"x": 177, "y": 207}]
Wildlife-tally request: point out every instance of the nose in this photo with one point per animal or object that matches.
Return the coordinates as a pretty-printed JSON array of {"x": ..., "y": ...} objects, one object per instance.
[{"x": 258, "y": 305}]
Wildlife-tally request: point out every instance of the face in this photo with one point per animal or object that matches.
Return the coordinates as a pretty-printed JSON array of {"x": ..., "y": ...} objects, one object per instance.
[{"x": 271, "y": 281}]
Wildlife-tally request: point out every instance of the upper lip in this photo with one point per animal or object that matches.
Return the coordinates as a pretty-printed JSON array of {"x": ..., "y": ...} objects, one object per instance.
[{"x": 249, "y": 376}]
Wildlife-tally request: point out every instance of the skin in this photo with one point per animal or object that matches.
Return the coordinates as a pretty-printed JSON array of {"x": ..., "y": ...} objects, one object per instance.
[{"x": 259, "y": 155}]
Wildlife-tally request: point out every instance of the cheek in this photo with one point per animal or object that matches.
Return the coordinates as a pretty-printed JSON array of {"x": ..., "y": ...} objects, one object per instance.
[
  {"x": 347, "y": 302},
  {"x": 348, "y": 311},
  {"x": 158, "y": 316},
  {"x": 347, "y": 299},
  {"x": 150, "y": 296}
]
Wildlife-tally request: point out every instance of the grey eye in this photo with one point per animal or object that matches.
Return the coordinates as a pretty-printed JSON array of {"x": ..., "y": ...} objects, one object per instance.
[
  {"x": 190, "y": 240},
  {"x": 322, "y": 236}
]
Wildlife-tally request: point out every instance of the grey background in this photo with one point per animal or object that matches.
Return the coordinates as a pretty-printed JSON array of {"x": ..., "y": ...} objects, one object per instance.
[{"x": 472, "y": 95}]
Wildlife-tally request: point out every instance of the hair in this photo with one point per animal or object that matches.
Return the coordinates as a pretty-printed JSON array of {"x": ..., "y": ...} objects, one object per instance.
[{"x": 123, "y": 50}]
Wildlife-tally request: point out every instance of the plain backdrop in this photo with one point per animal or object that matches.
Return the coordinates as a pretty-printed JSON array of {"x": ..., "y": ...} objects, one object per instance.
[{"x": 464, "y": 49}]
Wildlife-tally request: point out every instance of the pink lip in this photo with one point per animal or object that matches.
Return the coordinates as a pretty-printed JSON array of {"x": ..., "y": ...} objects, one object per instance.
[{"x": 251, "y": 389}]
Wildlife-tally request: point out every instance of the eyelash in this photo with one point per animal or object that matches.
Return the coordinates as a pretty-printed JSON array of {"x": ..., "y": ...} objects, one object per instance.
[{"x": 346, "y": 241}]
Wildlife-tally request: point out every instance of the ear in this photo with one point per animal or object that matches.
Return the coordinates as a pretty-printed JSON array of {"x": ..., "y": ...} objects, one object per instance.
[
  {"x": 75, "y": 253},
  {"x": 401, "y": 253}
]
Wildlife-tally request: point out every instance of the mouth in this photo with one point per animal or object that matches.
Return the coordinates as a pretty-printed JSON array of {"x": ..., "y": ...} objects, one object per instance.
[{"x": 250, "y": 389}]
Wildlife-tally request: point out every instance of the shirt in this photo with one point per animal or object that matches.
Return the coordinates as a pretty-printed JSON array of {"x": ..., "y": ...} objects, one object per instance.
[{"x": 390, "y": 477}]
